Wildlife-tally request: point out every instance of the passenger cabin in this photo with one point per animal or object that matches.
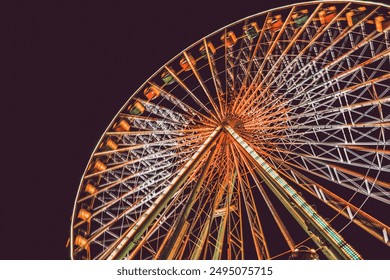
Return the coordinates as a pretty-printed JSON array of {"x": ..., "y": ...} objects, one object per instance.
[
  {"x": 122, "y": 126},
  {"x": 327, "y": 15},
  {"x": 275, "y": 23},
  {"x": 230, "y": 39},
  {"x": 300, "y": 17},
  {"x": 167, "y": 77},
  {"x": 89, "y": 188},
  {"x": 355, "y": 15},
  {"x": 84, "y": 215},
  {"x": 108, "y": 145},
  {"x": 382, "y": 22},
  {"x": 81, "y": 242},
  {"x": 185, "y": 65},
  {"x": 210, "y": 48},
  {"x": 136, "y": 108},
  {"x": 251, "y": 30},
  {"x": 98, "y": 166},
  {"x": 151, "y": 93}
]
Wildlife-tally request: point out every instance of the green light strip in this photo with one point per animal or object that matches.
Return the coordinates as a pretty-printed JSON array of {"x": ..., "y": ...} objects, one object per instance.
[{"x": 331, "y": 233}]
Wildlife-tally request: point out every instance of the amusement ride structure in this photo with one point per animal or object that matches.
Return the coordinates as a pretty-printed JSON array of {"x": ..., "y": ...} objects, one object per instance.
[{"x": 267, "y": 139}]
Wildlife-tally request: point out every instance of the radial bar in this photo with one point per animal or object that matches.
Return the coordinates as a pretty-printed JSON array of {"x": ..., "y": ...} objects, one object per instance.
[
  {"x": 224, "y": 216},
  {"x": 166, "y": 252},
  {"x": 337, "y": 244}
]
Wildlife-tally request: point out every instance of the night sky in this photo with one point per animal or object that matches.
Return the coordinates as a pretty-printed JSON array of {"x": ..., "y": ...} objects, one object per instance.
[{"x": 69, "y": 67}]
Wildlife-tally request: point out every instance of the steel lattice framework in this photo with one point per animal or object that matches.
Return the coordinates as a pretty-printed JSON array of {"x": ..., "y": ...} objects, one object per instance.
[{"x": 268, "y": 134}]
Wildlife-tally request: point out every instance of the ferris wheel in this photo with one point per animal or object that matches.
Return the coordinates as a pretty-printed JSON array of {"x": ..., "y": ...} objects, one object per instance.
[{"x": 267, "y": 139}]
